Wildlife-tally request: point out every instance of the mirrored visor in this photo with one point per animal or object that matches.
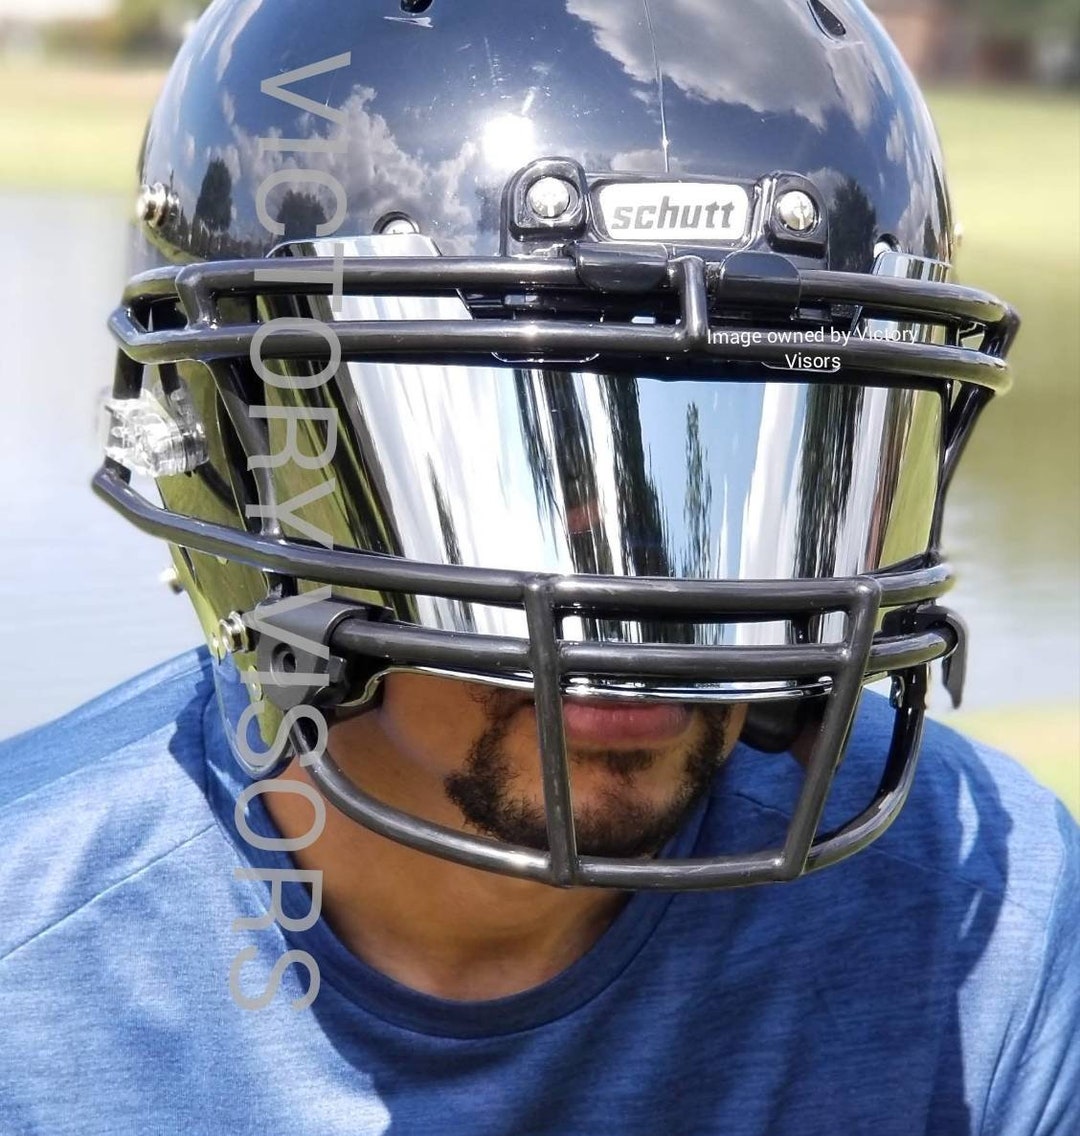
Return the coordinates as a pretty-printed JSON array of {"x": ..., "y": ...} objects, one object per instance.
[{"x": 558, "y": 469}]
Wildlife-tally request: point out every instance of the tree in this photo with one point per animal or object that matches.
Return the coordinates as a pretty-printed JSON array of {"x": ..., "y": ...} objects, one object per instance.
[
  {"x": 146, "y": 28},
  {"x": 152, "y": 27}
]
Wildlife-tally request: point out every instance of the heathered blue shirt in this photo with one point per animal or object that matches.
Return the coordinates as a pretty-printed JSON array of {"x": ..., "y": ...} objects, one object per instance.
[{"x": 931, "y": 984}]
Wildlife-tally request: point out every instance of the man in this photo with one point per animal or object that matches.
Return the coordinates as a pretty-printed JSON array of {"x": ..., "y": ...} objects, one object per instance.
[{"x": 551, "y": 413}]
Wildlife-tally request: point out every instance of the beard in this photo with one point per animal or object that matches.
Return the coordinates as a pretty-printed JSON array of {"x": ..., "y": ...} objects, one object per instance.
[{"x": 619, "y": 824}]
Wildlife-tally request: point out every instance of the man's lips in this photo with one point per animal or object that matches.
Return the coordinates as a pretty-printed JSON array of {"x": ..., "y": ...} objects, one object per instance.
[{"x": 607, "y": 724}]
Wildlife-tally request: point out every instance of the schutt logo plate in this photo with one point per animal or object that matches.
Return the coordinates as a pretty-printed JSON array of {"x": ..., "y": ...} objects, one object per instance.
[{"x": 674, "y": 211}]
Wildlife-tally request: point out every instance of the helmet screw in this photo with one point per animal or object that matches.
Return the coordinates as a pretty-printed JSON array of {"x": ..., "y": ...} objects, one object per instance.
[
  {"x": 883, "y": 246},
  {"x": 897, "y": 693},
  {"x": 797, "y": 211},
  {"x": 550, "y": 197},
  {"x": 155, "y": 205},
  {"x": 233, "y": 634},
  {"x": 171, "y": 579},
  {"x": 397, "y": 225}
]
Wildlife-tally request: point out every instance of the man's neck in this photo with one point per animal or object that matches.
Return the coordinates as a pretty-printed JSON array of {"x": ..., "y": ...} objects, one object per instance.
[{"x": 438, "y": 927}]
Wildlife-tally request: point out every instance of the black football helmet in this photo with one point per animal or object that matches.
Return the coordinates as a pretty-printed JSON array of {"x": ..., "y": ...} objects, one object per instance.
[{"x": 594, "y": 348}]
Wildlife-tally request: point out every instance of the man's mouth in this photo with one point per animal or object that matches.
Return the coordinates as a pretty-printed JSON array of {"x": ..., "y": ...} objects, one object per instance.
[
  {"x": 609, "y": 725},
  {"x": 593, "y": 723}
]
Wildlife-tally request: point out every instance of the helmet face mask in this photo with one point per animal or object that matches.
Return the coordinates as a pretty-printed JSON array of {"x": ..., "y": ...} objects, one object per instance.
[{"x": 703, "y": 467}]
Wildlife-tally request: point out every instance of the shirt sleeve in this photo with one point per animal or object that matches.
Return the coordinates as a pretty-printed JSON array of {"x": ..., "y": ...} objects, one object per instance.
[{"x": 1035, "y": 1090}]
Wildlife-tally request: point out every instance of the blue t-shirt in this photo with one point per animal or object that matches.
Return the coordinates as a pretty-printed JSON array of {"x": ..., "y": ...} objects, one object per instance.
[{"x": 931, "y": 984}]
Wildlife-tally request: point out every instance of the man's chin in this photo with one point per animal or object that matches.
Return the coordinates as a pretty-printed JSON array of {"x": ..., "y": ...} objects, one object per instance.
[
  {"x": 617, "y": 833},
  {"x": 614, "y": 815},
  {"x": 620, "y": 809}
]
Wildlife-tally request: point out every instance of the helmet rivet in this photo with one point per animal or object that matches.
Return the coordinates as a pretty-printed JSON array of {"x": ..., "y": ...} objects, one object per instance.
[
  {"x": 154, "y": 205},
  {"x": 233, "y": 634},
  {"x": 550, "y": 197},
  {"x": 797, "y": 211}
]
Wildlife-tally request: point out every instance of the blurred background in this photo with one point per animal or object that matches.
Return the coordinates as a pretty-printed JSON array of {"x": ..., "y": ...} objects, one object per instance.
[{"x": 77, "y": 78}]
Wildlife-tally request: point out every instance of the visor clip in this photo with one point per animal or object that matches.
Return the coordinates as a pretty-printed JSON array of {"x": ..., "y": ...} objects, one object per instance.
[
  {"x": 931, "y": 617},
  {"x": 289, "y": 634},
  {"x": 954, "y": 668},
  {"x": 749, "y": 279},
  {"x": 631, "y": 269}
]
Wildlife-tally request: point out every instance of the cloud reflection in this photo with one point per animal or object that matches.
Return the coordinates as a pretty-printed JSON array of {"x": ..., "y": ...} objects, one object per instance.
[{"x": 740, "y": 57}]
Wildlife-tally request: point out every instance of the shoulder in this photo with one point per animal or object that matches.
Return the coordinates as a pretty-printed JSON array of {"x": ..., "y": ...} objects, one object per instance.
[
  {"x": 974, "y": 813},
  {"x": 1012, "y": 851},
  {"x": 123, "y": 716},
  {"x": 92, "y": 799},
  {"x": 975, "y": 823},
  {"x": 954, "y": 932}
]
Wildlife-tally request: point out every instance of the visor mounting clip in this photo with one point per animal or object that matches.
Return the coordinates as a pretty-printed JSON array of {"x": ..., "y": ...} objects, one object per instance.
[
  {"x": 293, "y": 650},
  {"x": 944, "y": 622}
]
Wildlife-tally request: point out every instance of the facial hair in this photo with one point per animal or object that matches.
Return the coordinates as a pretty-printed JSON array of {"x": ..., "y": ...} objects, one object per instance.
[{"x": 618, "y": 825}]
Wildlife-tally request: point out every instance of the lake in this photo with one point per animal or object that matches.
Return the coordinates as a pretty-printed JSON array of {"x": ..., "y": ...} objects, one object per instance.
[{"x": 81, "y": 607}]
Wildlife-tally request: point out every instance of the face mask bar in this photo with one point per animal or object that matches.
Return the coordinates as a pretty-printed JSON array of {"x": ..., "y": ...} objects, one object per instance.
[
  {"x": 743, "y": 281},
  {"x": 693, "y": 297},
  {"x": 551, "y": 661}
]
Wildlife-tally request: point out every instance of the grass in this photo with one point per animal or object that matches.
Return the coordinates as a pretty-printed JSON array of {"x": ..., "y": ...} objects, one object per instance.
[
  {"x": 1045, "y": 739},
  {"x": 1014, "y": 162},
  {"x": 1013, "y": 159},
  {"x": 69, "y": 128},
  {"x": 1014, "y": 165}
]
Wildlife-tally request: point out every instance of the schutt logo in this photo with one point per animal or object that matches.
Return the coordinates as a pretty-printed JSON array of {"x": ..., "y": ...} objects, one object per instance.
[
  {"x": 666, "y": 217},
  {"x": 674, "y": 211}
]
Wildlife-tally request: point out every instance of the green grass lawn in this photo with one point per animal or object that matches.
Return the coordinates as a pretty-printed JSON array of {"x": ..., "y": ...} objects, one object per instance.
[
  {"x": 68, "y": 128},
  {"x": 1014, "y": 166},
  {"x": 1046, "y": 739},
  {"x": 1014, "y": 162},
  {"x": 1013, "y": 158}
]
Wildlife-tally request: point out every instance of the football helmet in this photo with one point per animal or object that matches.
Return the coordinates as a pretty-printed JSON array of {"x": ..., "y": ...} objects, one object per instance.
[{"x": 593, "y": 348}]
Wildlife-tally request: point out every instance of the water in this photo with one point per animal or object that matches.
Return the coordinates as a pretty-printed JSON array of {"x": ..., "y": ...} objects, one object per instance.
[{"x": 81, "y": 607}]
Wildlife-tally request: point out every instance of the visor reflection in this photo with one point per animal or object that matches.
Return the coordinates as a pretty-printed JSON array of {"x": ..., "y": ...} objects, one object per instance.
[{"x": 566, "y": 471}]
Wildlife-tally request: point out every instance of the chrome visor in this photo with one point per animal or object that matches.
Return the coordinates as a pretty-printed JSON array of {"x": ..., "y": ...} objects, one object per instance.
[{"x": 562, "y": 470}]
